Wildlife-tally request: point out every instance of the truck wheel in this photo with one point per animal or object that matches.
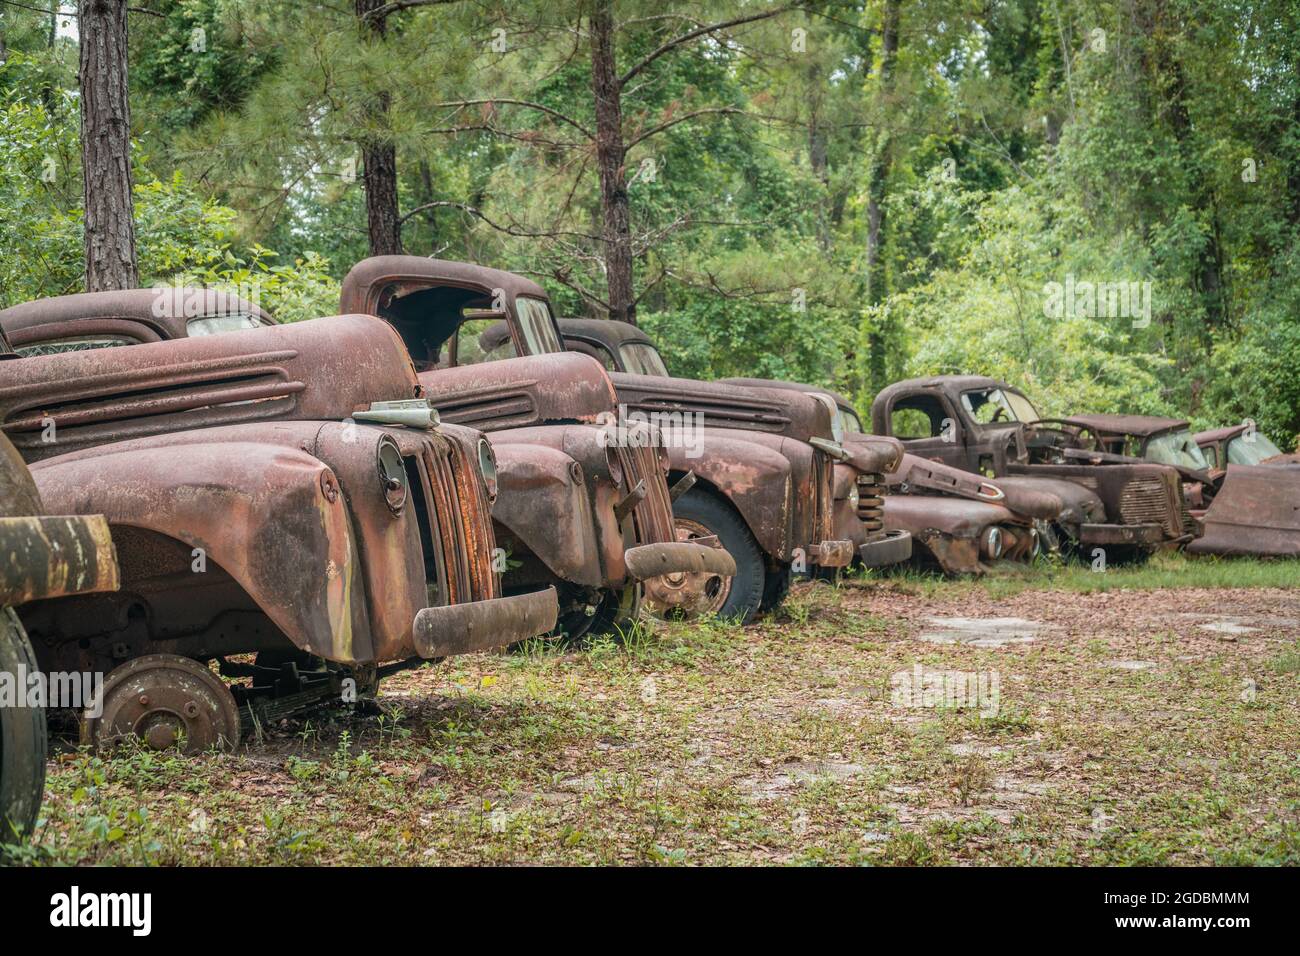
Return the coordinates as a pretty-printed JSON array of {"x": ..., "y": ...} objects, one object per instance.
[
  {"x": 703, "y": 513},
  {"x": 22, "y": 739},
  {"x": 614, "y": 612}
]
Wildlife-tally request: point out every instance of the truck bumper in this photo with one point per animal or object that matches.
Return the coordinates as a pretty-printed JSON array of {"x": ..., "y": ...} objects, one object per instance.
[
  {"x": 677, "y": 557},
  {"x": 894, "y": 548},
  {"x": 1147, "y": 535},
  {"x": 483, "y": 625},
  {"x": 833, "y": 553},
  {"x": 56, "y": 557}
]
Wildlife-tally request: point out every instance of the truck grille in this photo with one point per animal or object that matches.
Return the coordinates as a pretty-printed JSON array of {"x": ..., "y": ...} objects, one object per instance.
[
  {"x": 1145, "y": 500},
  {"x": 455, "y": 522},
  {"x": 654, "y": 515}
]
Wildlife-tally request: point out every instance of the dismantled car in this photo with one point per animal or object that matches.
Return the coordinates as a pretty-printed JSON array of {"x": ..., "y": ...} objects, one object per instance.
[
  {"x": 962, "y": 524},
  {"x": 285, "y": 491},
  {"x": 1248, "y": 497},
  {"x": 42, "y": 557},
  {"x": 1128, "y": 509},
  {"x": 764, "y": 451}
]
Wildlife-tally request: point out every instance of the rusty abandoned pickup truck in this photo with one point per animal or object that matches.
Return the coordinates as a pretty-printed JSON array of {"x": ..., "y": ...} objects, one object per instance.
[
  {"x": 285, "y": 491},
  {"x": 42, "y": 557},
  {"x": 766, "y": 451},
  {"x": 987, "y": 427},
  {"x": 1248, "y": 498},
  {"x": 593, "y": 520},
  {"x": 580, "y": 506}
]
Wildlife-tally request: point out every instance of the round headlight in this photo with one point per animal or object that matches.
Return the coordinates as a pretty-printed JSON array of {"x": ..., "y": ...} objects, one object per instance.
[
  {"x": 392, "y": 473},
  {"x": 837, "y": 421},
  {"x": 854, "y": 496},
  {"x": 993, "y": 543},
  {"x": 487, "y": 464},
  {"x": 614, "y": 465}
]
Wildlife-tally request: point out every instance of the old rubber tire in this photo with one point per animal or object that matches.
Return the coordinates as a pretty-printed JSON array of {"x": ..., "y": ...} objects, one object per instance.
[
  {"x": 719, "y": 517},
  {"x": 776, "y": 586},
  {"x": 22, "y": 739}
]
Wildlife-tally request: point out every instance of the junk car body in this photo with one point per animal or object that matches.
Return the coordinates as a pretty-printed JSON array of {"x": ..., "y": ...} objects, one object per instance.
[
  {"x": 1245, "y": 491},
  {"x": 962, "y": 524},
  {"x": 279, "y": 490},
  {"x": 987, "y": 427},
  {"x": 582, "y": 506}
]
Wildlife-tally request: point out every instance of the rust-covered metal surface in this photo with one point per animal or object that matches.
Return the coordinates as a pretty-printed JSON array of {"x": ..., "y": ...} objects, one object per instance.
[
  {"x": 519, "y": 392},
  {"x": 53, "y": 404},
  {"x": 127, "y": 317},
  {"x": 47, "y": 556},
  {"x": 963, "y": 522},
  {"x": 1036, "y": 458},
  {"x": 250, "y": 511}
]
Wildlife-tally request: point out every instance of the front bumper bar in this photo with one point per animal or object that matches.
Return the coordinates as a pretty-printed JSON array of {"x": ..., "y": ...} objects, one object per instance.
[
  {"x": 483, "y": 625},
  {"x": 56, "y": 556},
  {"x": 894, "y": 548},
  {"x": 677, "y": 557},
  {"x": 1147, "y": 535}
]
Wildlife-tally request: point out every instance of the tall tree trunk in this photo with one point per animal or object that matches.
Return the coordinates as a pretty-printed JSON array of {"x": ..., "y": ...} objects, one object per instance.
[
  {"x": 106, "y": 147},
  {"x": 379, "y": 157},
  {"x": 877, "y": 340},
  {"x": 610, "y": 155}
]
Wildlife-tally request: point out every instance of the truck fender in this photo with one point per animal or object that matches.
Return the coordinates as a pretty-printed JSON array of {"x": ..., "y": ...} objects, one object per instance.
[
  {"x": 272, "y": 517},
  {"x": 754, "y": 478}
]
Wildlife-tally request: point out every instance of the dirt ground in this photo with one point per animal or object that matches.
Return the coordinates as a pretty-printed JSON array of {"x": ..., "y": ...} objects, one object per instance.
[{"x": 900, "y": 721}]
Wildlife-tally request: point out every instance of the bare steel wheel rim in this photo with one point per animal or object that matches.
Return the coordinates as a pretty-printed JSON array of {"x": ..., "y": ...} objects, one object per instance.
[
  {"x": 688, "y": 593},
  {"x": 164, "y": 700}
]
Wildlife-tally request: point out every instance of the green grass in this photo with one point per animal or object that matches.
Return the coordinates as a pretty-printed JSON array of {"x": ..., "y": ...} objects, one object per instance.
[
  {"x": 1161, "y": 571},
  {"x": 774, "y": 743}
]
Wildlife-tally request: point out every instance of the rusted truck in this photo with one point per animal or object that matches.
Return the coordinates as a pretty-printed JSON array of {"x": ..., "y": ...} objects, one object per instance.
[
  {"x": 1247, "y": 497},
  {"x": 580, "y": 507},
  {"x": 591, "y": 519},
  {"x": 768, "y": 448},
  {"x": 981, "y": 425},
  {"x": 42, "y": 557},
  {"x": 284, "y": 491}
]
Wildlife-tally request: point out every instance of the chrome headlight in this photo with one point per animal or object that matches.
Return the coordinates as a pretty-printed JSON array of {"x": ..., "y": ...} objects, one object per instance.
[
  {"x": 992, "y": 543},
  {"x": 854, "y": 496},
  {"x": 392, "y": 473},
  {"x": 487, "y": 464}
]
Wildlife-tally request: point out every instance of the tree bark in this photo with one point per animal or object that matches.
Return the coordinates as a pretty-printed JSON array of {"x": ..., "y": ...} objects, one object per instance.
[
  {"x": 877, "y": 340},
  {"x": 379, "y": 158},
  {"x": 106, "y": 147},
  {"x": 610, "y": 157}
]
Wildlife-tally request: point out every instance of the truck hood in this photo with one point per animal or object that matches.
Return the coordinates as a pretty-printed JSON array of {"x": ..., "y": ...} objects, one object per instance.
[
  {"x": 515, "y": 393},
  {"x": 777, "y": 411},
  {"x": 319, "y": 370}
]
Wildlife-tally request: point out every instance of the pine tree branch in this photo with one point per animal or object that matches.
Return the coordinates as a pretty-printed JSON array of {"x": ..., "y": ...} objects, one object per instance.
[
  {"x": 698, "y": 32},
  {"x": 554, "y": 114},
  {"x": 655, "y": 130}
]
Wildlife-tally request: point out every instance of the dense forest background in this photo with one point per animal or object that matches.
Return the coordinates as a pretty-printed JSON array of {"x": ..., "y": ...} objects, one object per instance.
[{"x": 833, "y": 192}]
